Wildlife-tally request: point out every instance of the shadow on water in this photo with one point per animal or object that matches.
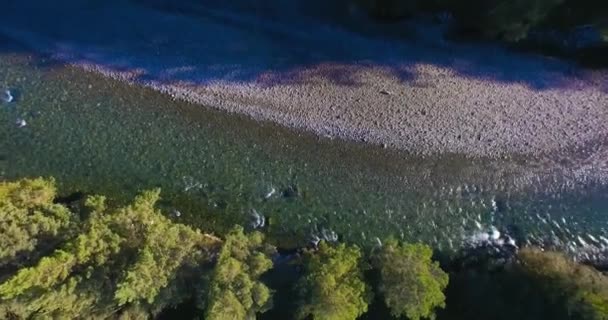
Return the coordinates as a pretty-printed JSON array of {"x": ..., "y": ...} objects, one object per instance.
[{"x": 268, "y": 43}]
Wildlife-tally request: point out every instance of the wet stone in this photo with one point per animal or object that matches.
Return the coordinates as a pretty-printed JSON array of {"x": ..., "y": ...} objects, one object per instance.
[{"x": 20, "y": 123}]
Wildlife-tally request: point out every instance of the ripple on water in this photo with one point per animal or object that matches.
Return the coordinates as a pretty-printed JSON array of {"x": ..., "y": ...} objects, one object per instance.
[{"x": 118, "y": 139}]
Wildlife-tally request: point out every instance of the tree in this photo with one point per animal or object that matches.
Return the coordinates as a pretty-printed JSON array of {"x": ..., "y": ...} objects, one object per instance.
[
  {"x": 27, "y": 216},
  {"x": 534, "y": 284},
  {"x": 509, "y": 20},
  {"x": 236, "y": 291},
  {"x": 581, "y": 292},
  {"x": 333, "y": 286},
  {"x": 390, "y": 9},
  {"x": 503, "y": 19},
  {"x": 411, "y": 283},
  {"x": 125, "y": 262}
]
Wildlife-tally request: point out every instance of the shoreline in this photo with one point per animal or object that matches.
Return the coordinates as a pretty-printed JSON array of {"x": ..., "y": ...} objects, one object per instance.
[
  {"x": 334, "y": 176},
  {"x": 505, "y": 103}
]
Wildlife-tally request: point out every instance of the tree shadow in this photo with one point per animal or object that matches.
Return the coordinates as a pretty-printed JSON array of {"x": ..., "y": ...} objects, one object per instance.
[{"x": 199, "y": 43}]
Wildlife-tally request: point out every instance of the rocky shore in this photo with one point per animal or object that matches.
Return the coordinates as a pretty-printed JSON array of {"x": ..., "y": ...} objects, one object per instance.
[{"x": 420, "y": 93}]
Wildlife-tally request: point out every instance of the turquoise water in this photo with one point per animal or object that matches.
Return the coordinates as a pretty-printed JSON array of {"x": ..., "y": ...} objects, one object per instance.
[{"x": 98, "y": 135}]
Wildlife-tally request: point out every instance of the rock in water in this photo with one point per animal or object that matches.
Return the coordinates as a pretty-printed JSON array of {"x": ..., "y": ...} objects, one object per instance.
[
  {"x": 7, "y": 96},
  {"x": 314, "y": 240},
  {"x": 257, "y": 220},
  {"x": 291, "y": 192},
  {"x": 270, "y": 193},
  {"x": 20, "y": 123},
  {"x": 494, "y": 234}
]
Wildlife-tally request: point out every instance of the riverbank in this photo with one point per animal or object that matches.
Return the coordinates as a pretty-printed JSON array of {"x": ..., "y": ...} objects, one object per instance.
[
  {"x": 100, "y": 135},
  {"x": 422, "y": 95}
]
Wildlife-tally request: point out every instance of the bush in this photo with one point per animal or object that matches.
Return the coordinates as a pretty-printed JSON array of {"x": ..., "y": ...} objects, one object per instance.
[
  {"x": 410, "y": 282},
  {"x": 509, "y": 20},
  {"x": 581, "y": 292},
  {"x": 29, "y": 220},
  {"x": 236, "y": 291},
  {"x": 117, "y": 261},
  {"x": 333, "y": 286},
  {"x": 502, "y": 19},
  {"x": 535, "y": 285}
]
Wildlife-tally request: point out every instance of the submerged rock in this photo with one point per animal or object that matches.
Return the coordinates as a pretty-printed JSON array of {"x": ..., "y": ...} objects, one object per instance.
[
  {"x": 270, "y": 193},
  {"x": 314, "y": 240},
  {"x": 257, "y": 220},
  {"x": 378, "y": 242},
  {"x": 494, "y": 234},
  {"x": 20, "y": 123},
  {"x": 329, "y": 235},
  {"x": 291, "y": 192},
  {"x": 7, "y": 96},
  {"x": 491, "y": 238}
]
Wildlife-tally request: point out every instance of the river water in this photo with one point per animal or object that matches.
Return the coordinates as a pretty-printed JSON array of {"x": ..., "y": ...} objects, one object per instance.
[{"x": 216, "y": 169}]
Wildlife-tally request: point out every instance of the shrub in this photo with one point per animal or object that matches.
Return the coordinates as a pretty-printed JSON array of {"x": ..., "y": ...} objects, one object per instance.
[
  {"x": 333, "y": 286},
  {"x": 411, "y": 283}
]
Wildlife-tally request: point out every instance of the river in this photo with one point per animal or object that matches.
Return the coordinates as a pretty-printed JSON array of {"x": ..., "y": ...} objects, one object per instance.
[{"x": 217, "y": 169}]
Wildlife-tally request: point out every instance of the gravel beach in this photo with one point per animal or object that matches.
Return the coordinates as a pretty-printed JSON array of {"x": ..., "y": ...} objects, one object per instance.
[{"x": 418, "y": 93}]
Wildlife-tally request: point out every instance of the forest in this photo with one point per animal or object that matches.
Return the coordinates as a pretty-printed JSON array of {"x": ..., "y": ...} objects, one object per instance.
[
  {"x": 502, "y": 19},
  {"x": 85, "y": 258}
]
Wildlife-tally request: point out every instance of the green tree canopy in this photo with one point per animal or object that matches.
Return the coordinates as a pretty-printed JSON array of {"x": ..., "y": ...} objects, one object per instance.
[
  {"x": 29, "y": 220},
  {"x": 509, "y": 20},
  {"x": 125, "y": 259},
  {"x": 505, "y": 19},
  {"x": 333, "y": 286},
  {"x": 534, "y": 285},
  {"x": 581, "y": 292},
  {"x": 235, "y": 290},
  {"x": 410, "y": 282}
]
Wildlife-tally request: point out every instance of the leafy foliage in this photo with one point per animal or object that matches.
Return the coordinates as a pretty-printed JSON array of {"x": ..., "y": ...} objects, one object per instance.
[
  {"x": 132, "y": 263},
  {"x": 574, "y": 13},
  {"x": 535, "y": 285},
  {"x": 236, "y": 291},
  {"x": 390, "y": 9},
  {"x": 411, "y": 283},
  {"x": 509, "y": 20},
  {"x": 580, "y": 291},
  {"x": 29, "y": 220},
  {"x": 333, "y": 287},
  {"x": 506, "y": 19},
  {"x": 122, "y": 260}
]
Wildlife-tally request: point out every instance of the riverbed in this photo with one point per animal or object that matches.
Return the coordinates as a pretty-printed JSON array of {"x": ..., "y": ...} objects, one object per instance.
[
  {"x": 215, "y": 169},
  {"x": 415, "y": 91}
]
